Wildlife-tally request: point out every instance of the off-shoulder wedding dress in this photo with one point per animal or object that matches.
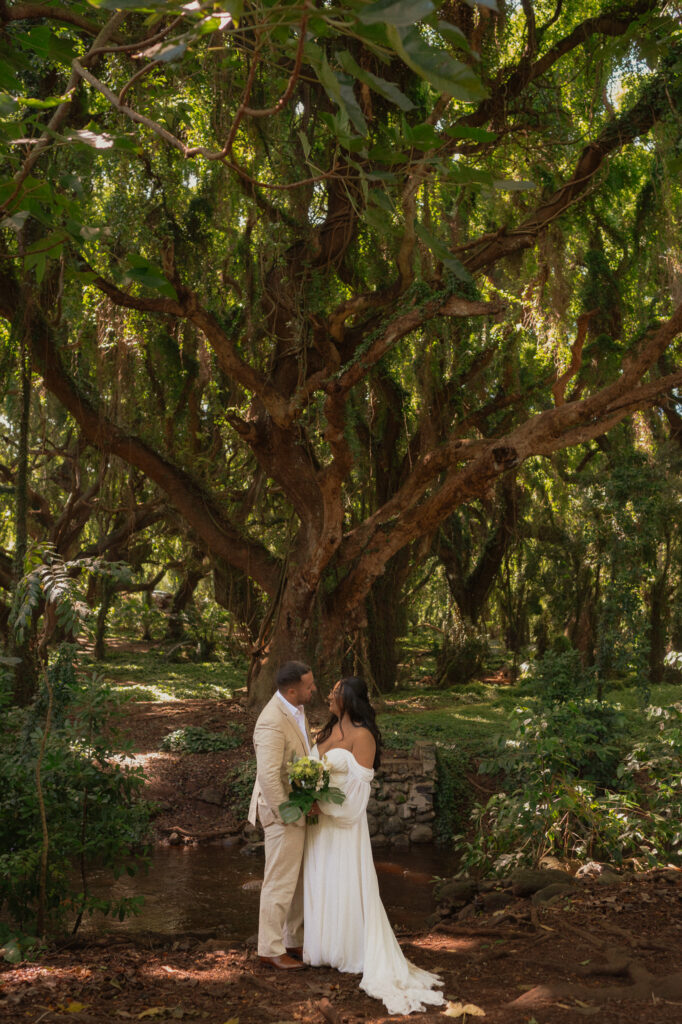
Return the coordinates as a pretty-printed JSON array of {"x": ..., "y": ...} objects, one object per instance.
[{"x": 345, "y": 922}]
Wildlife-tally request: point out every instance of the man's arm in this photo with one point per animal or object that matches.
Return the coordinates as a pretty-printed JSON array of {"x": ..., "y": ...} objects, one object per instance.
[{"x": 269, "y": 742}]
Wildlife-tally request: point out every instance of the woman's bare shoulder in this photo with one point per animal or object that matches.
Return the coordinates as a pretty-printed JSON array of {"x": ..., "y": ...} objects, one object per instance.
[{"x": 364, "y": 747}]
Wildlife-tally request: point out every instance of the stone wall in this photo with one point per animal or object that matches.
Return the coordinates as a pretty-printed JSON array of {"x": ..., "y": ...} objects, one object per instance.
[{"x": 400, "y": 811}]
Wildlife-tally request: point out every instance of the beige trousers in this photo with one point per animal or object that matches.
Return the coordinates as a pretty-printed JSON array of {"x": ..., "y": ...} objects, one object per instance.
[{"x": 280, "y": 922}]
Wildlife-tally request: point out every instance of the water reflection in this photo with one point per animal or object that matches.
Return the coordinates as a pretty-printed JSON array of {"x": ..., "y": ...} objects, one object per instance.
[{"x": 214, "y": 889}]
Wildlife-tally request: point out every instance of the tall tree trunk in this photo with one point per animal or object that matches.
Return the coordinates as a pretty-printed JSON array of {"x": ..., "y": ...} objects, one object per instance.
[
  {"x": 182, "y": 598},
  {"x": 658, "y": 619},
  {"x": 26, "y": 670},
  {"x": 100, "y": 647}
]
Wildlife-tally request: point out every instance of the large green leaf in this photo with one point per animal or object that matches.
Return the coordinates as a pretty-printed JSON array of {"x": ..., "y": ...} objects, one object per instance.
[
  {"x": 396, "y": 12},
  {"x": 441, "y": 251},
  {"x": 442, "y": 71},
  {"x": 150, "y": 275},
  {"x": 8, "y": 104},
  {"x": 388, "y": 90},
  {"x": 466, "y": 131},
  {"x": 339, "y": 88}
]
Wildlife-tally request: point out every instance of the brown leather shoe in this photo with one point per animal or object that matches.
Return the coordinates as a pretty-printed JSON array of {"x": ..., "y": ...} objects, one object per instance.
[
  {"x": 295, "y": 951},
  {"x": 282, "y": 963}
]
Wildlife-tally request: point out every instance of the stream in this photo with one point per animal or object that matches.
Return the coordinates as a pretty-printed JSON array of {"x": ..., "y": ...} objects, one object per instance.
[{"x": 214, "y": 889}]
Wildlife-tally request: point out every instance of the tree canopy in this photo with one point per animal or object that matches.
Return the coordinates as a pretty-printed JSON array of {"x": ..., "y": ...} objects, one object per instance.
[{"x": 321, "y": 275}]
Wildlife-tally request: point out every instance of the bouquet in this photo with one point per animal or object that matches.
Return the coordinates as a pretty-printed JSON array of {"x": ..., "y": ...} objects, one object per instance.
[{"x": 309, "y": 781}]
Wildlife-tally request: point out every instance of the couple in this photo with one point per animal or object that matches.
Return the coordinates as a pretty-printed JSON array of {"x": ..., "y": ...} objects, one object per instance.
[{"x": 325, "y": 872}]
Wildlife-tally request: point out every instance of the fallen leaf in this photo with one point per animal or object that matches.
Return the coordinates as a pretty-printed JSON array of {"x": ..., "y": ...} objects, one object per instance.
[
  {"x": 462, "y": 1010},
  {"x": 72, "y": 1007},
  {"x": 153, "y": 1011}
]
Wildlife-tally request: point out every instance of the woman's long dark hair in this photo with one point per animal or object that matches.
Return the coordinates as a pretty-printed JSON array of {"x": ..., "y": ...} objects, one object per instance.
[{"x": 354, "y": 701}]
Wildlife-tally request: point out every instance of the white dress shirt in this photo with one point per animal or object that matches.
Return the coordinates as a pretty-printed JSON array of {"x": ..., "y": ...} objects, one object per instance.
[{"x": 299, "y": 715}]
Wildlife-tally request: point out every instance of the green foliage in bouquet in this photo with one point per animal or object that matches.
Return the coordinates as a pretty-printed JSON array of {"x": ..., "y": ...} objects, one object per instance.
[{"x": 309, "y": 781}]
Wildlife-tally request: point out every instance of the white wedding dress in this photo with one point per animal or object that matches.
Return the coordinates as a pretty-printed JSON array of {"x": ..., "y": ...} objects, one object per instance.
[{"x": 345, "y": 923}]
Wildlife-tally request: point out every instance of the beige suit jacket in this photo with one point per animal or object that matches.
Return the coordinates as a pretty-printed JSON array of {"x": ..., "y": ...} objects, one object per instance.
[{"x": 277, "y": 740}]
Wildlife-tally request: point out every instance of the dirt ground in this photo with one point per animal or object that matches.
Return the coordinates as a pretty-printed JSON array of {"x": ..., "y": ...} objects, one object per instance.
[{"x": 609, "y": 951}]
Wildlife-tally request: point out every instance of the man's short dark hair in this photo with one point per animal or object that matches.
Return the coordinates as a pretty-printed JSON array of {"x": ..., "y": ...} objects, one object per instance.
[{"x": 290, "y": 672}]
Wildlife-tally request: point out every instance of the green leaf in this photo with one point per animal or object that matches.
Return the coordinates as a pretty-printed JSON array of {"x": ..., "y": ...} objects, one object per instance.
[
  {"x": 289, "y": 813},
  {"x": 143, "y": 272},
  {"x": 11, "y": 952},
  {"x": 396, "y": 12},
  {"x": 8, "y": 75},
  {"x": 8, "y": 104},
  {"x": 36, "y": 104},
  {"x": 513, "y": 185},
  {"x": 128, "y": 5},
  {"x": 305, "y": 144},
  {"x": 387, "y": 155},
  {"x": 424, "y": 136},
  {"x": 339, "y": 88},
  {"x": 465, "y": 131},
  {"x": 442, "y": 71},
  {"x": 441, "y": 251},
  {"x": 388, "y": 90},
  {"x": 378, "y": 220},
  {"x": 455, "y": 37},
  {"x": 381, "y": 199}
]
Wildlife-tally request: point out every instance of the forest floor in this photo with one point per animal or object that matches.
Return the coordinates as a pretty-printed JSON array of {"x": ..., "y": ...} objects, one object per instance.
[{"x": 609, "y": 951}]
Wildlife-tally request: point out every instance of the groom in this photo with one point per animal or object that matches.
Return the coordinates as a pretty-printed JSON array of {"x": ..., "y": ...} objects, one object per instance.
[{"x": 281, "y": 734}]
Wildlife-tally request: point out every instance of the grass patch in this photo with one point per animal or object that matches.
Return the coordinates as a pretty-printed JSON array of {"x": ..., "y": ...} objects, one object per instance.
[
  {"x": 460, "y": 720},
  {"x": 149, "y": 675}
]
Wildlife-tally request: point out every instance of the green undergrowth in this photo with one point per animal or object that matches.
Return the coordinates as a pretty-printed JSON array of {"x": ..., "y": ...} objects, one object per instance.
[
  {"x": 239, "y": 782},
  {"x": 194, "y": 739}
]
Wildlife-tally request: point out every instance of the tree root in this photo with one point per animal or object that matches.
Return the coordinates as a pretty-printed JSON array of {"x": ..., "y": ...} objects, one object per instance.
[
  {"x": 218, "y": 833},
  {"x": 643, "y": 986}
]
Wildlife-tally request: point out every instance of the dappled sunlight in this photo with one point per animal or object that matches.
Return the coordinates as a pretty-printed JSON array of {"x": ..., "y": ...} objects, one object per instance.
[
  {"x": 218, "y": 961},
  {"x": 437, "y": 942}
]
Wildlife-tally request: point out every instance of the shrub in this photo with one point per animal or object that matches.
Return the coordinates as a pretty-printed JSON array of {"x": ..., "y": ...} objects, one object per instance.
[
  {"x": 240, "y": 781},
  {"x": 452, "y": 797},
  {"x": 67, "y": 799},
  {"x": 578, "y": 785},
  {"x": 560, "y": 676},
  {"x": 194, "y": 739}
]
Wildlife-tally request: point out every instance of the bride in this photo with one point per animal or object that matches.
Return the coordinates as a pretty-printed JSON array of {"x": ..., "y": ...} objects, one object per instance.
[{"x": 345, "y": 922}]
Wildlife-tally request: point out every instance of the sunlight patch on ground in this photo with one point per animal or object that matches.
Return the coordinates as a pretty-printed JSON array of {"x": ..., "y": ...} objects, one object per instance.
[
  {"x": 436, "y": 941},
  {"x": 155, "y": 971},
  {"x": 144, "y": 692}
]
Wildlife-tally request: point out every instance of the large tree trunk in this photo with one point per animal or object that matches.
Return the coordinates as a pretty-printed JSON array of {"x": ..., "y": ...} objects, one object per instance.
[
  {"x": 387, "y": 622},
  {"x": 290, "y": 632}
]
